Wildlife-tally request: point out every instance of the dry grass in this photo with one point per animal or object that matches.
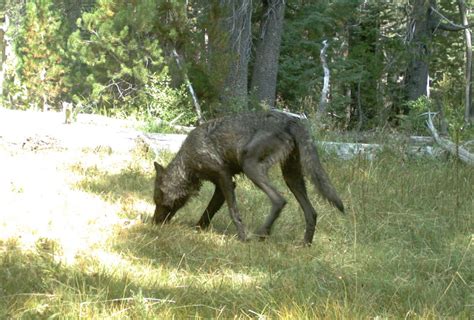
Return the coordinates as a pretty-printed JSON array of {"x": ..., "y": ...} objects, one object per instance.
[{"x": 73, "y": 244}]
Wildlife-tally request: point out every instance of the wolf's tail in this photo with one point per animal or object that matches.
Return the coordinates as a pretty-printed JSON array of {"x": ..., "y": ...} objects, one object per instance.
[{"x": 312, "y": 166}]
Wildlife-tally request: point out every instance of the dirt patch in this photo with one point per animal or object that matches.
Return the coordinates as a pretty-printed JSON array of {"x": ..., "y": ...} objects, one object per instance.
[
  {"x": 47, "y": 130},
  {"x": 39, "y": 197}
]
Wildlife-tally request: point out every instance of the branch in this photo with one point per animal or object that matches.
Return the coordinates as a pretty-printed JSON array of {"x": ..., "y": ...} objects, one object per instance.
[
  {"x": 449, "y": 146},
  {"x": 450, "y": 26},
  {"x": 197, "y": 106}
]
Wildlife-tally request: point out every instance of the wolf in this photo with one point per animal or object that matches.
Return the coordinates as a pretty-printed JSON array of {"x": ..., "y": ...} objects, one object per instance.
[{"x": 248, "y": 143}]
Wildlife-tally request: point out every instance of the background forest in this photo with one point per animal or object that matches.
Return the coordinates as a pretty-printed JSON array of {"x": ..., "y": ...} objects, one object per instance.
[{"x": 386, "y": 61}]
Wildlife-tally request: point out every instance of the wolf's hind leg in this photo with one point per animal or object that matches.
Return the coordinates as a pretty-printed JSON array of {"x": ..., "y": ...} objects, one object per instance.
[
  {"x": 291, "y": 170},
  {"x": 257, "y": 173},
  {"x": 214, "y": 205}
]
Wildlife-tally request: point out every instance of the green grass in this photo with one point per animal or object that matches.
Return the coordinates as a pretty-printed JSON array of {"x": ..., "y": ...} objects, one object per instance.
[{"x": 403, "y": 250}]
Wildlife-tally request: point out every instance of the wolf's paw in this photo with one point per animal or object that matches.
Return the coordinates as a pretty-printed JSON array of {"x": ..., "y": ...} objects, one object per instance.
[
  {"x": 304, "y": 244},
  {"x": 262, "y": 234},
  {"x": 242, "y": 236}
]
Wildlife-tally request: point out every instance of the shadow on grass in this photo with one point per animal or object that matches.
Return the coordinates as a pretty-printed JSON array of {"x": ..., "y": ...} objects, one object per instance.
[
  {"x": 158, "y": 276},
  {"x": 130, "y": 181},
  {"x": 50, "y": 289},
  {"x": 401, "y": 249}
]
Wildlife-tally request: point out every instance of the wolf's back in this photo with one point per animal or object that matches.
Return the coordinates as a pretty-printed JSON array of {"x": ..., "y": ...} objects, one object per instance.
[
  {"x": 312, "y": 166},
  {"x": 226, "y": 139}
]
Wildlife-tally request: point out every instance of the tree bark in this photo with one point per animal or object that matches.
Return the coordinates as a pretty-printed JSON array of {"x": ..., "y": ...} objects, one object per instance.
[
  {"x": 419, "y": 36},
  {"x": 237, "y": 25},
  {"x": 265, "y": 70},
  {"x": 469, "y": 110}
]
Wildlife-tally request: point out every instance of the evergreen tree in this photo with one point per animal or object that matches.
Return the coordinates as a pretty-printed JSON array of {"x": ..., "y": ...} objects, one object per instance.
[
  {"x": 40, "y": 52},
  {"x": 119, "y": 61}
]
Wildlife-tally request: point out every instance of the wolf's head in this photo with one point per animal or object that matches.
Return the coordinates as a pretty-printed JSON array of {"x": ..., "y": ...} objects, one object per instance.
[
  {"x": 167, "y": 196},
  {"x": 164, "y": 207}
]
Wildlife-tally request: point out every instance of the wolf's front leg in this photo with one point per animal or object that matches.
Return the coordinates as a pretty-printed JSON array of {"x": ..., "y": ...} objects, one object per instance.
[
  {"x": 214, "y": 205},
  {"x": 162, "y": 215},
  {"x": 227, "y": 187}
]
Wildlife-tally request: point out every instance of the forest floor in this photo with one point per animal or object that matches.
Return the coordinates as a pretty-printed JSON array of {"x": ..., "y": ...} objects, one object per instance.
[{"x": 74, "y": 241}]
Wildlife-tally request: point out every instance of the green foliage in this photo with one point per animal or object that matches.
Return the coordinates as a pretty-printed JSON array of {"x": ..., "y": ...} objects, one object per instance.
[
  {"x": 447, "y": 63},
  {"x": 168, "y": 103},
  {"x": 120, "y": 62},
  {"x": 40, "y": 49},
  {"x": 363, "y": 42},
  {"x": 117, "y": 58},
  {"x": 415, "y": 121},
  {"x": 151, "y": 125},
  {"x": 300, "y": 72}
]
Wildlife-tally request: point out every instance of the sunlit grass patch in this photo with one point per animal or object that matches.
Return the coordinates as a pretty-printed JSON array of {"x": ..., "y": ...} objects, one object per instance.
[
  {"x": 127, "y": 183},
  {"x": 404, "y": 248}
]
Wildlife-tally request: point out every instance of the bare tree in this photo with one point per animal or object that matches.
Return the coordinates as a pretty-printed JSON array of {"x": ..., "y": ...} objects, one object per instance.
[
  {"x": 325, "y": 90},
  {"x": 197, "y": 105}
]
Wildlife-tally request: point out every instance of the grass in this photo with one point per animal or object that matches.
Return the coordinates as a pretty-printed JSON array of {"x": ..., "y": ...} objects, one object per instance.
[{"x": 404, "y": 249}]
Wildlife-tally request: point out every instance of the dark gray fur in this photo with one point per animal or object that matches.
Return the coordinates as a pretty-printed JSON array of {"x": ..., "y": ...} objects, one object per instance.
[{"x": 248, "y": 143}]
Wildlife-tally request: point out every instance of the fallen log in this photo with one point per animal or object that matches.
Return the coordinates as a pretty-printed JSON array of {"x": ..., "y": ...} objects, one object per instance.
[
  {"x": 421, "y": 140},
  {"x": 348, "y": 151},
  {"x": 159, "y": 142},
  {"x": 456, "y": 150},
  {"x": 417, "y": 146}
]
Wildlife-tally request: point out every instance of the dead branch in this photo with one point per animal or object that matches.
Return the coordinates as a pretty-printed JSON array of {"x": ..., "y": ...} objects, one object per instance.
[
  {"x": 420, "y": 140},
  {"x": 448, "y": 145},
  {"x": 450, "y": 26},
  {"x": 197, "y": 106},
  {"x": 295, "y": 115},
  {"x": 326, "y": 81}
]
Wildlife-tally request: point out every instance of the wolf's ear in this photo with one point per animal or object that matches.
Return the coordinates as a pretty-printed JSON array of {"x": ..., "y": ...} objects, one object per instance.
[{"x": 159, "y": 169}]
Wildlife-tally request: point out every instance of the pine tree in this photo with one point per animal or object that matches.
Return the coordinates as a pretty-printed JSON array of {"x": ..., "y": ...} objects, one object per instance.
[
  {"x": 40, "y": 54},
  {"x": 119, "y": 61}
]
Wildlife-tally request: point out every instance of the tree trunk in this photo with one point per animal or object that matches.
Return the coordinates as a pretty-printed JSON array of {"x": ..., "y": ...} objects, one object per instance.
[
  {"x": 419, "y": 36},
  {"x": 237, "y": 24},
  {"x": 469, "y": 110},
  {"x": 265, "y": 70}
]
